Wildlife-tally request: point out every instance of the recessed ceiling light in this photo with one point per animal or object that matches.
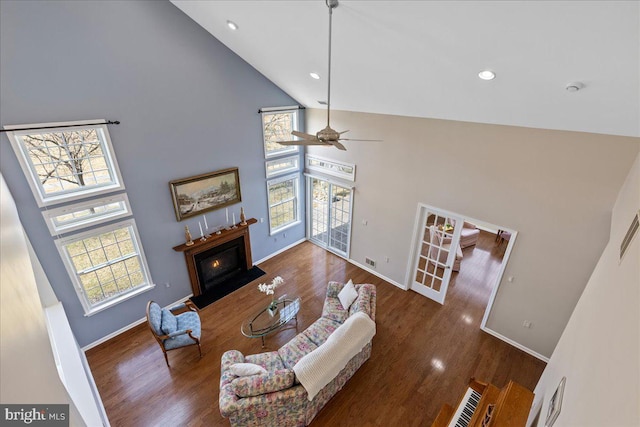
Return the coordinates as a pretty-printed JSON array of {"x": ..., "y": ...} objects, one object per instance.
[
  {"x": 574, "y": 87},
  {"x": 232, "y": 25},
  {"x": 315, "y": 75},
  {"x": 487, "y": 75}
]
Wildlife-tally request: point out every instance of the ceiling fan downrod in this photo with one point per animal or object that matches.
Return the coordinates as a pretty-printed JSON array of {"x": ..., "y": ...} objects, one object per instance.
[{"x": 331, "y": 4}]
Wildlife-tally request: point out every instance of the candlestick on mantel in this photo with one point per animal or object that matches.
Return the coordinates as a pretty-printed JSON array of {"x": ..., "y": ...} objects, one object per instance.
[
  {"x": 206, "y": 226},
  {"x": 202, "y": 237},
  {"x": 234, "y": 220},
  {"x": 187, "y": 235},
  {"x": 243, "y": 219},
  {"x": 226, "y": 210}
]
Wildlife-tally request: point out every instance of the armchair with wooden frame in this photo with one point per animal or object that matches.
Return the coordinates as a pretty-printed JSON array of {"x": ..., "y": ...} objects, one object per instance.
[{"x": 171, "y": 330}]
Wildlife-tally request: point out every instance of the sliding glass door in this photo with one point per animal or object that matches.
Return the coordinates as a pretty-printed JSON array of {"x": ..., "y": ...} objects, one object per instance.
[{"x": 330, "y": 215}]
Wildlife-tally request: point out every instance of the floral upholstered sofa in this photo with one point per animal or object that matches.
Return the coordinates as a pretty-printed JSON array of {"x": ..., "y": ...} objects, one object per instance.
[{"x": 289, "y": 392}]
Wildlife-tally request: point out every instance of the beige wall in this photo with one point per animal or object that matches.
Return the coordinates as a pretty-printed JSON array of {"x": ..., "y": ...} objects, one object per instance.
[
  {"x": 555, "y": 188},
  {"x": 28, "y": 372},
  {"x": 599, "y": 351}
]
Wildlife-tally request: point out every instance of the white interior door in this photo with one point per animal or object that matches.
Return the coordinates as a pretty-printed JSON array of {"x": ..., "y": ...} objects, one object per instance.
[
  {"x": 436, "y": 244},
  {"x": 330, "y": 215}
]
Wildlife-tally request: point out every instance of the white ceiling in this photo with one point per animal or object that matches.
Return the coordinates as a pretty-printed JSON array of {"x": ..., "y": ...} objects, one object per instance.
[{"x": 421, "y": 58}]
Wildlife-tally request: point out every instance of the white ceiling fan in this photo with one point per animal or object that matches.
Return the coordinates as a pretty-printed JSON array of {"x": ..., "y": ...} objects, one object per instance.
[{"x": 326, "y": 136}]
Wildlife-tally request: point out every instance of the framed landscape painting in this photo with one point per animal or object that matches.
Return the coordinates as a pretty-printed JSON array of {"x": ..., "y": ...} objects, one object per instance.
[{"x": 203, "y": 193}]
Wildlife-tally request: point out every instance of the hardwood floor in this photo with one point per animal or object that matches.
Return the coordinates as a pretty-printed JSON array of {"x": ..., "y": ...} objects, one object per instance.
[{"x": 423, "y": 353}]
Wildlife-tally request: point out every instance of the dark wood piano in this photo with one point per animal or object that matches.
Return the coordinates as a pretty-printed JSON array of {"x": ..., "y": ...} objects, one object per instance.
[{"x": 485, "y": 405}]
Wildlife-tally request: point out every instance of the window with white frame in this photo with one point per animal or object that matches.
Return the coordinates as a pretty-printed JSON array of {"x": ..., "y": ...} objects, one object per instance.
[
  {"x": 66, "y": 163},
  {"x": 107, "y": 265},
  {"x": 79, "y": 215},
  {"x": 74, "y": 162},
  {"x": 277, "y": 126},
  {"x": 331, "y": 167},
  {"x": 282, "y": 165},
  {"x": 283, "y": 202}
]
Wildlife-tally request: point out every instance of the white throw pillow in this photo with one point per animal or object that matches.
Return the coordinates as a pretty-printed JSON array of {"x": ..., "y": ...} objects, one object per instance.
[
  {"x": 246, "y": 369},
  {"x": 348, "y": 295}
]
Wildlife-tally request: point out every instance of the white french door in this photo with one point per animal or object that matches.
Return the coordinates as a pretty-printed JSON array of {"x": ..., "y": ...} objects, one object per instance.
[
  {"x": 329, "y": 214},
  {"x": 436, "y": 249}
]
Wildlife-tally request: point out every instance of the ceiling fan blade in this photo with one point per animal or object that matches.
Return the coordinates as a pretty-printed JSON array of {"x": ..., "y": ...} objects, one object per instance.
[
  {"x": 303, "y": 142},
  {"x": 339, "y": 146},
  {"x": 369, "y": 140},
  {"x": 344, "y": 131},
  {"x": 303, "y": 135}
]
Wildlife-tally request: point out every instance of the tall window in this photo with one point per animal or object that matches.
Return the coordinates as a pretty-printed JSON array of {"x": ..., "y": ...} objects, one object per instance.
[
  {"x": 283, "y": 202},
  {"x": 73, "y": 162},
  {"x": 106, "y": 265},
  {"x": 67, "y": 163},
  {"x": 283, "y": 192}
]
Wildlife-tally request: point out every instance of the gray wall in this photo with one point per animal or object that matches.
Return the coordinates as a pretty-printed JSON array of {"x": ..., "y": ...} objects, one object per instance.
[{"x": 187, "y": 105}]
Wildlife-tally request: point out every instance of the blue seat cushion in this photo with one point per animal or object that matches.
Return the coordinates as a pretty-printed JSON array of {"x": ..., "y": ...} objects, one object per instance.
[
  {"x": 188, "y": 320},
  {"x": 155, "y": 318},
  {"x": 169, "y": 322}
]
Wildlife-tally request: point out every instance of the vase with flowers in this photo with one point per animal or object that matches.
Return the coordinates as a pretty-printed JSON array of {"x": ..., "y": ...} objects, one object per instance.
[{"x": 269, "y": 290}]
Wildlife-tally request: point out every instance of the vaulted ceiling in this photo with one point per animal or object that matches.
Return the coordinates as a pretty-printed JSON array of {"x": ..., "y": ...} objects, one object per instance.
[{"x": 422, "y": 58}]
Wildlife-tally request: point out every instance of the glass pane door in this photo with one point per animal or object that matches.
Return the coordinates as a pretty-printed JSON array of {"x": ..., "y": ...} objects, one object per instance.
[
  {"x": 340, "y": 219},
  {"x": 319, "y": 195},
  {"x": 437, "y": 252},
  {"x": 330, "y": 215}
]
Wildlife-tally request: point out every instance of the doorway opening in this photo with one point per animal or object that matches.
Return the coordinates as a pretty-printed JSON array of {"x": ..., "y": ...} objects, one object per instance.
[{"x": 455, "y": 256}]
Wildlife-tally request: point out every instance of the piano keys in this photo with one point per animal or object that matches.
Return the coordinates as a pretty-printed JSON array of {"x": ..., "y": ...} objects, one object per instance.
[
  {"x": 485, "y": 405},
  {"x": 466, "y": 408}
]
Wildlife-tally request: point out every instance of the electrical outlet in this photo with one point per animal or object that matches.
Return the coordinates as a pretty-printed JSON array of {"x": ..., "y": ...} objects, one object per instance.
[
  {"x": 284, "y": 235},
  {"x": 527, "y": 324},
  {"x": 365, "y": 222},
  {"x": 386, "y": 259},
  {"x": 167, "y": 284},
  {"x": 370, "y": 262},
  {"x": 261, "y": 220}
]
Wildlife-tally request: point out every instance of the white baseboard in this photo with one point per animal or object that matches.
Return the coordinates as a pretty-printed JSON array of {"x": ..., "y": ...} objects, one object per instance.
[
  {"x": 485, "y": 329},
  {"x": 280, "y": 251},
  {"x": 129, "y": 326},
  {"x": 375, "y": 273},
  {"x": 515, "y": 344}
]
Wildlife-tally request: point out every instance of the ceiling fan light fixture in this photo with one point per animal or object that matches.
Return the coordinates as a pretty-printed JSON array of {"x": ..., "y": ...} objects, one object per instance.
[
  {"x": 232, "y": 25},
  {"x": 487, "y": 75},
  {"x": 315, "y": 76}
]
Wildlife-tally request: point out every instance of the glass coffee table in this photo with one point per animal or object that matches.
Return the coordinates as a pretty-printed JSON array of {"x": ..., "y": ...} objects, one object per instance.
[{"x": 264, "y": 322}]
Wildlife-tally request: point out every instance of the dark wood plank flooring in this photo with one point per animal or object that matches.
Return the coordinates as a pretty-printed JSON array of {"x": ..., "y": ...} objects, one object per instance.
[{"x": 423, "y": 353}]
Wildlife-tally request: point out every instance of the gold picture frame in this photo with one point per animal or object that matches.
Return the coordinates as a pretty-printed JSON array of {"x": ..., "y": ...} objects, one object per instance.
[{"x": 199, "y": 194}]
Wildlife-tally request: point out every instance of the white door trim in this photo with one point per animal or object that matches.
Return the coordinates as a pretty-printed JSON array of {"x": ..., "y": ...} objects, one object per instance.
[{"x": 496, "y": 285}]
